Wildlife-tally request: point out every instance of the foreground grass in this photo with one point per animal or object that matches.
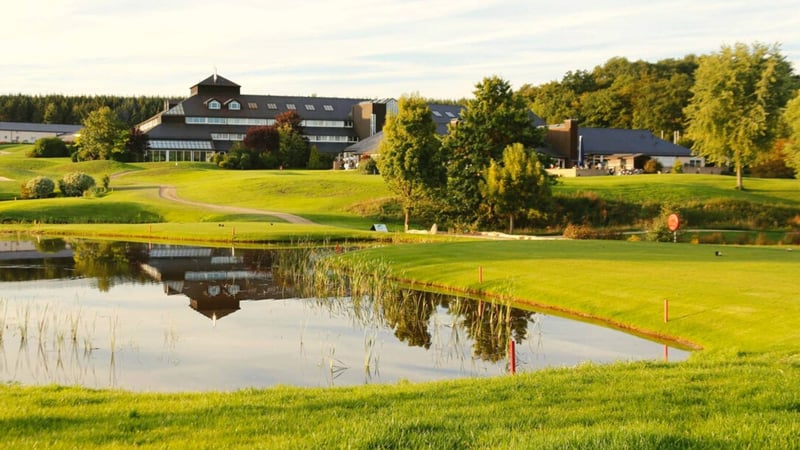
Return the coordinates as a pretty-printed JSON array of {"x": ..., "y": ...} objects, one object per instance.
[{"x": 733, "y": 402}]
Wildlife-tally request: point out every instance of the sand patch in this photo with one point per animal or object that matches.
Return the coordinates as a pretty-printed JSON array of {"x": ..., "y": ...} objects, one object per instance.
[{"x": 5, "y": 179}]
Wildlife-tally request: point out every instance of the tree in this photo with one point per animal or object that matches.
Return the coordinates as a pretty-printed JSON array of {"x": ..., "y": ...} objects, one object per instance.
[
  {"x": 792, "y": 119},
  {"x": 517, "y": 185},
  {"x": 49, "y": 147},
  {"x": 262, "y": 139},
  {"x": 38, "y": 187},
  {"x": 293, "y": 149},
  {"x": 135, "y": 145},
  {"x": 490, "y": 122},
  {"x": 74, "y": 184},
  {"x": 103, "y": 136},
  {"x": 736, "y": 100},
  {"x": 409, "y": 158}
]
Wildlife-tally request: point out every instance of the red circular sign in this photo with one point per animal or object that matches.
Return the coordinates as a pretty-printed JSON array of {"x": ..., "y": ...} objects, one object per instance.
[{"x": 674, "y": 222}]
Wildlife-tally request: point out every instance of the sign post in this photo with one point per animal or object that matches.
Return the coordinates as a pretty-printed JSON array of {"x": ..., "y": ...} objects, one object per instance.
[{"x": 674, "y": 222}]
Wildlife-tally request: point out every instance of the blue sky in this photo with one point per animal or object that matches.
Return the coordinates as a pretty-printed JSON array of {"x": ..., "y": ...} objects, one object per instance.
[{"x": 363, "y": 48}]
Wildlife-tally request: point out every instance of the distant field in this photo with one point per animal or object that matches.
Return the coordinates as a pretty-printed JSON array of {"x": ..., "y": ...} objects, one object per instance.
[{"x": 336, "y": 198}]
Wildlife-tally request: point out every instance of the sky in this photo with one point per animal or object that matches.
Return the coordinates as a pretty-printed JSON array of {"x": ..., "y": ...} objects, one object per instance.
[{"x": 363, "y": 48}]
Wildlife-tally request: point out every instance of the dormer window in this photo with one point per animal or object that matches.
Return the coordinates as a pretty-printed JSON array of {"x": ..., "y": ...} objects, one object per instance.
[
  {"x": 234, "y": 105},
  {"x": 290, "y": 106},
  {"x": 214, "y": 104}
]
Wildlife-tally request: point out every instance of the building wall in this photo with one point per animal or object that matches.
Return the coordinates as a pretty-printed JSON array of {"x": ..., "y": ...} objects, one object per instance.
[
  {"x": 23, "y": 137},
  {"x": 563, "y": 138}
]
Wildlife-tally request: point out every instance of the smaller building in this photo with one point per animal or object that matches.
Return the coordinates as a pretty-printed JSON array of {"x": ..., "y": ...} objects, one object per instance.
[
  {"x": 28, "y": 133},
  {"x": 614, "y": 150}
]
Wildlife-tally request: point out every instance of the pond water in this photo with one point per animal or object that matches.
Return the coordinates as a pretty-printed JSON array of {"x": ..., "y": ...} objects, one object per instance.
[{"x": 173, "y": 318}]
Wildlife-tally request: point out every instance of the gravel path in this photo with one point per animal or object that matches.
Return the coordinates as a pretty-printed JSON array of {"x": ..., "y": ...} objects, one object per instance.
[{"x": 170, "y": 193}]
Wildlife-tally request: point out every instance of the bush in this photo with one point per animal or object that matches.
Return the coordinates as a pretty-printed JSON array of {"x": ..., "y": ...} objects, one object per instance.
[
  {"x": 677, "y": 167},
  {"x": 75, "y": 184},
  {"x": 368, "y": 166},
  {"x": 659, "y": 230},
  {"x": 573, "y": 231},
  {"x": 49, "y": 147},
  {"x": 39, "y": 187},
  {"x": 653, "y": 166}
]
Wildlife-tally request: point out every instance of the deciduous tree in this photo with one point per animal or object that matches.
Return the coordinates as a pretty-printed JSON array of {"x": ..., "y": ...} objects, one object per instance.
[
  {"x": 792, "y": 118},
  {"x": 737, "y": 98},
  {"x": 518, "y": 185},
  {"x": 103, "y": 136},
  {"x": 409, "y": 157},
  {"x": 494, "y": 119}
]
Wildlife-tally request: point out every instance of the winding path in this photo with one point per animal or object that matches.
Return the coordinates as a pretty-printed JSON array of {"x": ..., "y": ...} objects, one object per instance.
[{"x": 171, "y": 194}]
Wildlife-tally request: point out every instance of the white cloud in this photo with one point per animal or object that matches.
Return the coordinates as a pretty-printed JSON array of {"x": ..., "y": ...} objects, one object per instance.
[{"x": 352, "y": 48}]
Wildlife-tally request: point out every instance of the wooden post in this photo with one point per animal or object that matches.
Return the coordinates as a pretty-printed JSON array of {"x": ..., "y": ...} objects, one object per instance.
[{"x": 666, "y": 353}]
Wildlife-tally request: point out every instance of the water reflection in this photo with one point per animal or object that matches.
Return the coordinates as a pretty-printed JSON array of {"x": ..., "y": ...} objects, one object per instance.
[{"x": 113, "y": 314}]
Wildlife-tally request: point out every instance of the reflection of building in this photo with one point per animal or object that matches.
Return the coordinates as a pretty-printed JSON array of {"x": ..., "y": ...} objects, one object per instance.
[{"x": 215, "y": 280}]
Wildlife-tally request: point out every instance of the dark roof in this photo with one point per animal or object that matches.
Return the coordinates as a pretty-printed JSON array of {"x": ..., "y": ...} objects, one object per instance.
[
  {"x": 443, "y": 115},
  {"x": 268, "y": 106},
  {"x": 40, "y": 127},
  {"x": 368, "y": 145},
  {"x": 611, "y": 141},
  {"x": 216, "y": 80}
]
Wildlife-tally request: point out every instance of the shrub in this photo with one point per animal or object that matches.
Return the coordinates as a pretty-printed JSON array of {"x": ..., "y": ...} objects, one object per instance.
[
  {"x": 653, "y": 166},
  {"x": 39, "y": 187},
  {"x": 49, "y": 147},
  {"x": 792, "y": 238},
  {"x": 75, "y": 184},
  {"x": 659, "y": 230},
  {"x": 677, "y": 167},
  {"x": 368, "y": 166},
  {"x": 573, "y": 231}
]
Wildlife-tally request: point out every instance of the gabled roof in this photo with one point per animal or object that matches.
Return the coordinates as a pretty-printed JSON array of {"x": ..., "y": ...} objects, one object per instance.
[
  {"x": 216, "y": 80},
  {"x": 612, "y": 141}
]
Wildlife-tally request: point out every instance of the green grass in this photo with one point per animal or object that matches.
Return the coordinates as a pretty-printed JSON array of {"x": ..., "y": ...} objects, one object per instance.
[
  {"x": 679, "y": 188},
  {"x": 741, "y": 391},
  {"x": 744, "y": 300}
]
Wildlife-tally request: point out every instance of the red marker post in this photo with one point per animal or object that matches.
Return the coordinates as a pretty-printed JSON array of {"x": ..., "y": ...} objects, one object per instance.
[{"x": 512, "y": 357}]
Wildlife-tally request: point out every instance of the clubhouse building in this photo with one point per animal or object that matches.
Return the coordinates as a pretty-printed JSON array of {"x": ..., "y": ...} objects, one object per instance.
[{"x": 216, "y": 115}]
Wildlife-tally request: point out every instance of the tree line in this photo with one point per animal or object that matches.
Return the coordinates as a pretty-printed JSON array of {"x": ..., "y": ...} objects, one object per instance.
[
  {"x": 736, "y": 107},
  {"x": 73, "y": 110}
]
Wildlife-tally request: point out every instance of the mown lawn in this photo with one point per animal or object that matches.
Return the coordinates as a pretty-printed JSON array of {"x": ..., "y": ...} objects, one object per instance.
[{"x": 742, "y": 390}]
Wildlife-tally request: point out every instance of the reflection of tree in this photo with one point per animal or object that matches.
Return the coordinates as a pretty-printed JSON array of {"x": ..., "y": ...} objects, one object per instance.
[
  {"x": 53, "y": 245},
  {"x": 107, "y": 261},
  {"x": 408, "y": 314},
  {"x": 490, "y": 326}
]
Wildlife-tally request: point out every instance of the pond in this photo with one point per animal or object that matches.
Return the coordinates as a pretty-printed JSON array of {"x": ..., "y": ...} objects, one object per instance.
[{"x": 171, "y": 318}]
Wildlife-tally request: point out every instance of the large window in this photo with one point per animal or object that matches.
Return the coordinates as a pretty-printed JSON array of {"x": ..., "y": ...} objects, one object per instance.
[
  {"x": 240, "y": 121},
  {"x": 157, "y": 144},
  {"x": 324, "y": 123}
]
